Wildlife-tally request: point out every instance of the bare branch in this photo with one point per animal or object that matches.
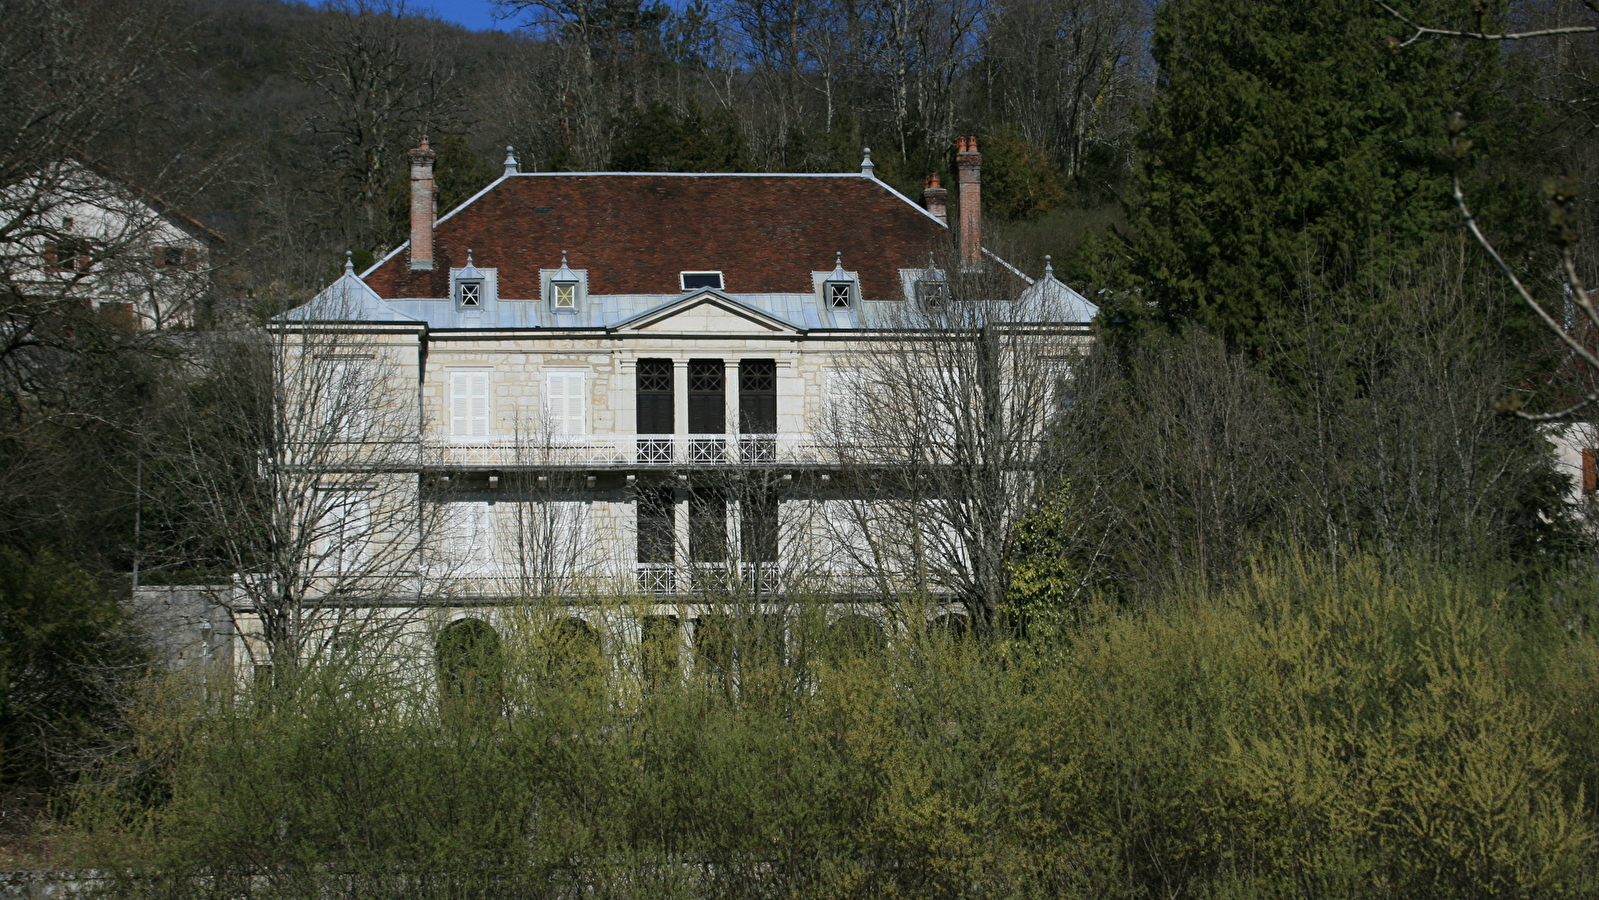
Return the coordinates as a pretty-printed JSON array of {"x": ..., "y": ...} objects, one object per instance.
[{"x": 1422, "y": 31}]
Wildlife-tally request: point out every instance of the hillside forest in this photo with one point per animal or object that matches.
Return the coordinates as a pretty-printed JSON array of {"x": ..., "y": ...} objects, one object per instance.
[{"x": 1305, "y": 605}]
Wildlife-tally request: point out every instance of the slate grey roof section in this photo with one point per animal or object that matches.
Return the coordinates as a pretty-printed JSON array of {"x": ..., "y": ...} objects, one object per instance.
[
  {"x": 347, "y": 300},
  {"x": 802, "y": 311},
  {"x": 1049, "y": 292}
]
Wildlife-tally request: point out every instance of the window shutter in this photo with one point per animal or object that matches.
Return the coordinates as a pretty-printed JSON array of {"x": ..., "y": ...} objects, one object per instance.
[
  {"x": 1590, "y": 471},
  {"x": 480, "y": 404},
  {"x": 567, "y": 407},
  {"x": 469, "y": 404}
]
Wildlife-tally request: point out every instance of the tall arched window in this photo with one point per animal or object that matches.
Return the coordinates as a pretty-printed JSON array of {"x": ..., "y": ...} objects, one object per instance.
[{"x": 471, "y": 666}]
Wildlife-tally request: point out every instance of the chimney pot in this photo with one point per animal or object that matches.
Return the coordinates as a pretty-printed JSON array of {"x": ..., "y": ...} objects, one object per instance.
[
  {"x": 969, "y": 174},
  {"x": 935, "y": 199},
  {"x": 423, "y": 206}
]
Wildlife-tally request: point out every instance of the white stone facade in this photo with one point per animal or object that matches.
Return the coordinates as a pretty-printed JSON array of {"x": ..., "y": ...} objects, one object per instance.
[
  {"x": 611, "y": 456},
  {"x": 75, "y": 233}
]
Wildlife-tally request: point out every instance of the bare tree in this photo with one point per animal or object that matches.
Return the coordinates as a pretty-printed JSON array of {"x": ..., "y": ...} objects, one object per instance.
[
  {"x": 943, "y": 432},
  {"x": 1067, "y": 72},
  {"x": 297, "y": 468},
  {"x": 383, "y": 79}
]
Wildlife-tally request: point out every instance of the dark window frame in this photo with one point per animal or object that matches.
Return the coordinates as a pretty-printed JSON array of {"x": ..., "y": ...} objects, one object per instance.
[{"x": 711, "y": 278}]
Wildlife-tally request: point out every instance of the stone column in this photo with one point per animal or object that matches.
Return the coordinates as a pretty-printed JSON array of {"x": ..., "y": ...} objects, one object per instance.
[
  {"x": 680, "y": 409},
  {"x": 730, "y": 394}
]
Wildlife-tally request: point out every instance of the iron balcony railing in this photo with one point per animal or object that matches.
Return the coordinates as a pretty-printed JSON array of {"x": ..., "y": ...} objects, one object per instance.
[
  {"x": 708, "y": 578},
  {"x": 628, "y": 451}
]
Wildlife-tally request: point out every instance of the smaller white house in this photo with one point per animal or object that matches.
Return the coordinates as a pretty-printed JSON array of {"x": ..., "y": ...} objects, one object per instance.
[{"x": 71, "y": 232}]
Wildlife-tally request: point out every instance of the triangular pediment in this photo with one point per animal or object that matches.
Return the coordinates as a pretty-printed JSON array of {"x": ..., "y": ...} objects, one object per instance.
[{"x": 706, "y": 312}]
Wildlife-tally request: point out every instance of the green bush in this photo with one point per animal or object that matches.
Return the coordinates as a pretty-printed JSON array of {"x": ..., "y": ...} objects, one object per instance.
[{"x": 1307, "y": 733}]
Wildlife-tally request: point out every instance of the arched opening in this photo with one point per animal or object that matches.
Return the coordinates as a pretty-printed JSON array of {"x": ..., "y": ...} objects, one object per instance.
[
  {"x": 854, "y": 636},
  {"x": 952, "y": 625},
  {"x": 471, "y": 665}
]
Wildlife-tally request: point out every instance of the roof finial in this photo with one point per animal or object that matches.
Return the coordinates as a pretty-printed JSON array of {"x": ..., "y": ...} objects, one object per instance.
[
  {"x": 469, "y": 263},
  {"x": 1049, "y": 270},
  {"x": 511, "y": 166},
  {"x": 563, "y": 259},
  {"x": 349, "y": 261},
  {"x": 866, "y": 163},
  {"x": 838, "y": 259}
]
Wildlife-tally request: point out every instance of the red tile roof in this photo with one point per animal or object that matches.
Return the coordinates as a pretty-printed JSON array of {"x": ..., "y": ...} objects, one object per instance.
[{"x": 635, "y": 233}]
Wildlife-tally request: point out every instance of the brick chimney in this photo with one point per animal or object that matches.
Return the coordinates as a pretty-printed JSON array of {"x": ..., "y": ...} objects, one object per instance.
[
  {"x": 969, "y": 175},
  {"x": 424, "y": 206},
  {"x": 936, "y": 199}
]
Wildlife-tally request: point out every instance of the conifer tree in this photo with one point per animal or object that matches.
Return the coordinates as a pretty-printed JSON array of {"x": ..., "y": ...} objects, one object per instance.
[{"x": 1286, "y": 140}]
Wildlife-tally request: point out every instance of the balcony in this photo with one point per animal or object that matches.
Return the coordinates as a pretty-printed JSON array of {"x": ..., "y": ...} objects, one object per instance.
[
  {"x": 713, "y": 579},
  {"x": 627, "y": 451}
]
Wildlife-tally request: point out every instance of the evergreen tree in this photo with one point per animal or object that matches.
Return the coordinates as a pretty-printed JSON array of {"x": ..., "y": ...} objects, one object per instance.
[
  {"x": 1289, "y": 139},
  {"x": 67, "y": 653}
]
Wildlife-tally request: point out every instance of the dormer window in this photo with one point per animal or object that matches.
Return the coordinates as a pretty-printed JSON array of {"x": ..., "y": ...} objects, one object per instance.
[
  {"x": 695, "y": 280},
  {"x": 565, "y": 289},
  {"x": 469, "y": 285},
  {"x": 932, "y": 292},
  {"x": 840, "y": 288}
]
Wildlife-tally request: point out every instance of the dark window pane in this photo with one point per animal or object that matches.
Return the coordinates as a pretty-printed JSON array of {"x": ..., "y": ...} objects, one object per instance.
[
  {"x": 693, "y": 280},
  {"x": 655, "y": 398},
  {"x": 757, "y": 396},
  {"x": 656, "y": 528},
  {"x": 758, "y": 526},
  {"x": 707, "y": 401},
  {"x": 838, "y": 295},
  {"x": 707, "y": 526},
  {"x": 655, "y": 375}
]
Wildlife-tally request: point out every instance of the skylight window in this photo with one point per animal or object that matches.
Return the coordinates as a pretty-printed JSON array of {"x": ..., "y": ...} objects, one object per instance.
[{"x": 696, "y": 280}]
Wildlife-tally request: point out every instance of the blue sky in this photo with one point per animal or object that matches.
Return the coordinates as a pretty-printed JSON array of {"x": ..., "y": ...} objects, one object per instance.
[{"x": 477, "y": 15}]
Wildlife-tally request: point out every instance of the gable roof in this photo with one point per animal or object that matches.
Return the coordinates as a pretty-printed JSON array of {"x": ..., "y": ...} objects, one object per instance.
[{"x": 634, "y": 233}]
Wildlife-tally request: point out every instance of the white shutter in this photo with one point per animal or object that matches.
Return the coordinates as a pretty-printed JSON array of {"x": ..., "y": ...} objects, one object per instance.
[
  {"x": 342, "y": 533},
  {"x": 841, "y": 414},
  {"x": 568, "y": 407},
  {"x": 480, "y": 404},
  {"x": 469, "y": 404},
  {"x": 469, "y": 530}
]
